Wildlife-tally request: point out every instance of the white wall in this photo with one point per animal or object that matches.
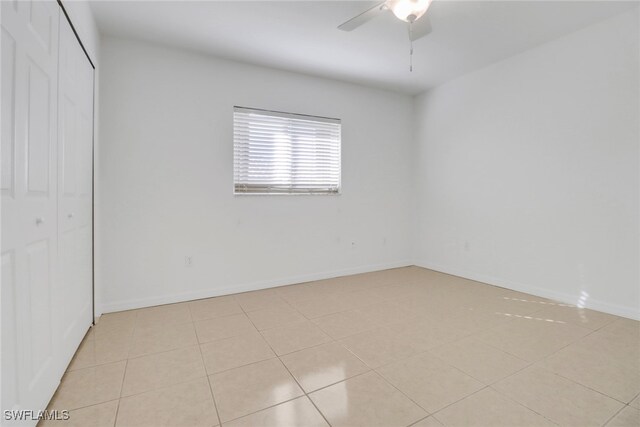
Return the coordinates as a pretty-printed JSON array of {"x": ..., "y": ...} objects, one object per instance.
[
  {"x": 529, "y": 170},
  {"x": 165, "y": 180}
]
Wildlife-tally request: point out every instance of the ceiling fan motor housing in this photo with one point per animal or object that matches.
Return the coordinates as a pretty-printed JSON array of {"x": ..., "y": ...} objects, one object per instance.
[{"x": 408, "y": 10}]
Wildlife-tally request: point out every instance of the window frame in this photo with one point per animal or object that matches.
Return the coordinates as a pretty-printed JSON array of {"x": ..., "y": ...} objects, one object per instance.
[{"x": 308, "y": 117}]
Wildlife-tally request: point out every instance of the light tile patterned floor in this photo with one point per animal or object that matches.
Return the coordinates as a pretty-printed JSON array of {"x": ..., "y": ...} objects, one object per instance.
[{"x": 399, "y": 347}]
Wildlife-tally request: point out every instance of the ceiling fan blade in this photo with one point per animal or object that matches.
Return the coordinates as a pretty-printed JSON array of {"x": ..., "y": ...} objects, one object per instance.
[
  {"x": 365, "y": 16},
  {"x": 421, "y": 28}
]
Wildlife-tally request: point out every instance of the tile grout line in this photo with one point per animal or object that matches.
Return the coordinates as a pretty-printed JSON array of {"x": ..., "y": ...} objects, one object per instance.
[
  {"x": 176, "y": 383},
  {"x": 550, "y": 372},
  {"x": 369, "y": 369},
  {"x": 126, "y": 364},
  {"x": 451, "y": 366},
  {"x": 416, "y": 355},
  {"x": 100, "y": 402},
  {"x": 318, "y": 409},
  {"x": 117, "y": 399},
  {"x": 292, "y": 376},
  {"x": 511, "y": 399},
  {"x": 341, "y": 381},
  {"x": 207, "y": 374},
  {"x": 482, "y": 382},
  {"x": 429, "y": 413},
  {"x": 163, "y": 387},
  {"x": 496, "y": 391},
  {"x": 534, "y": 363},
  {"x": 141, "y": 356},
  {"x": 538, "y": 364},
  {"x": 329, "y": 385},
  {"x": 420, "y": 420},
  {"x": 264, "y": 409},
  {"x": 115, "y": 421},
  {"x": 614, "y": 415},
  {"x": 527, "y": 363},
  {"x": 585, "y": 386},
  {"x": 433, "y": 414},
  {"x": 305, "y": 392},
  {"x": 471, "y": 335},
  {"x": 213, "y": 396},
  {"x": 384, "y": 379}
]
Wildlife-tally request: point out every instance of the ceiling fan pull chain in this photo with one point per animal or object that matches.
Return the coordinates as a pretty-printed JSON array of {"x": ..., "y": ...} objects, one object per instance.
[{"x": 410, "y": 47}]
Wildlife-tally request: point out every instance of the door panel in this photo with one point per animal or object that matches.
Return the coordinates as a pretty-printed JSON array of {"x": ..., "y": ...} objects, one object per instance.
[
  {"x": 9, "y": 327},
  {"x": 42, "y": 24},
  {"x": 38, "y": 130},
  {"x": 85, "y": 151},
  {"x": 29, "y": 203},
  {"x": 38, "y": 323},
  {"x": 8, "y": 110},
  {"x": 67, "y": 256},
  {"x": 75, "y": 152},
  {"x": 67, "y": 140}
]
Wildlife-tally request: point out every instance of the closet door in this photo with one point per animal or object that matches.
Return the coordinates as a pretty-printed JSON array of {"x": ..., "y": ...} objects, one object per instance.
[
  {"x": 74, "y": 286},
  {"x": 29, "y": 40}
]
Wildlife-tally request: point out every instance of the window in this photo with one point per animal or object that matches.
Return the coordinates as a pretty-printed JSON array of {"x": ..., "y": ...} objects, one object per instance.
[{"x": 284, "y": 153}]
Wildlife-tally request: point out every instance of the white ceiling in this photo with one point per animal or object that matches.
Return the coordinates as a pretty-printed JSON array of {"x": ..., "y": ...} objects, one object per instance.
[{"x": 301, "y": 36}]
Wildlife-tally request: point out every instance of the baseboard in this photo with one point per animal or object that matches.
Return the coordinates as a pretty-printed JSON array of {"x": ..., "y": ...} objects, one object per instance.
[
  {"x": 592, "y": 304},
  {"x": 255, "y": 286}
]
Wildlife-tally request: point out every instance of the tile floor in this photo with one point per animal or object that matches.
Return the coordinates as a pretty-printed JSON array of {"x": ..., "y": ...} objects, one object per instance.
[{"x": 399, "y": 347}]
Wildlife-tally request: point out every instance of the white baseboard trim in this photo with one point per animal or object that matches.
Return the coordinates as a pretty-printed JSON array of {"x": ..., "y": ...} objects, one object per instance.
[
  {"x": 605, "y": 307},
  {"x": 209, "y": 293}
]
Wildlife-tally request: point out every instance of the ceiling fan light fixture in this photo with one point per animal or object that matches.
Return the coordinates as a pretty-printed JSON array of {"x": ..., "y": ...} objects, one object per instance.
[{"x": 408, "y": 10}]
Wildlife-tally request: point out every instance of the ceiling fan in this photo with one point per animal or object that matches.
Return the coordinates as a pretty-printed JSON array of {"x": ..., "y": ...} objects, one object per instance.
[
  {"x": 406, "y": 10},
  {"x": 410, "y": 11}
]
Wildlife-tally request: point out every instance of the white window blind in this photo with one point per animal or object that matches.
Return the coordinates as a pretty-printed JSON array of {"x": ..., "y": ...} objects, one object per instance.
[{"x": 285, "y": 153}]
